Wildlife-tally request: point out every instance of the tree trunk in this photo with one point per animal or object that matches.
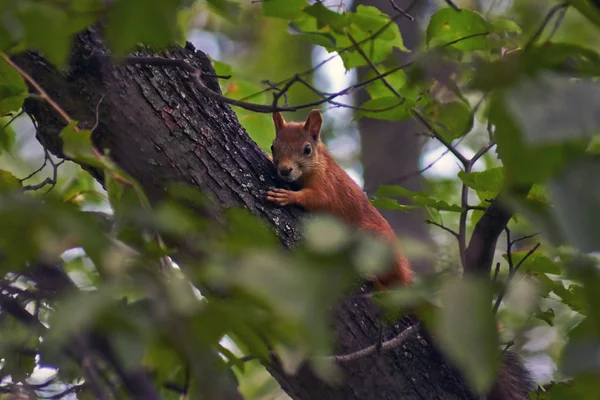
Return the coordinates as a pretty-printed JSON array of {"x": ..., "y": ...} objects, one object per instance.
[
  {"x": 391, "y": 150},
  {"x": 160, "y": 129}
]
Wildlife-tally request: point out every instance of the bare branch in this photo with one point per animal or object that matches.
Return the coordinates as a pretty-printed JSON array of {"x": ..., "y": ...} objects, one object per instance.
[
  {"x": 545, "y": 22},
  {"x": 453, "y": 233},
  {"x": 512, "y": 273}
]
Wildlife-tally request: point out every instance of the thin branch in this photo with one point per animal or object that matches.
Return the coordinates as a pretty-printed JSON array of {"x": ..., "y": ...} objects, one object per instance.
[
  {"x": 97, "y": 114},
  {"x": 391, "y": 344},
  {"x": 451, "y": 4},
  {"x": 37, "y": 87},
  {"x": 401, "y": 11},
  {"x": 196, "y": 75},
  {"x": 545, "y": 22},
  {"x": 453, "y": 233},
  {"x": 512, "y": 273},
  {"x": 463, "y": 160},
  {"x": 17, "y": 115}
]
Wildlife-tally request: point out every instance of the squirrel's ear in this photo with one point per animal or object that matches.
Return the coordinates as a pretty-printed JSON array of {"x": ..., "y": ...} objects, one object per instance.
[
  {"x": 279, "y": 121},
  {"x": 313, "y": 123}
]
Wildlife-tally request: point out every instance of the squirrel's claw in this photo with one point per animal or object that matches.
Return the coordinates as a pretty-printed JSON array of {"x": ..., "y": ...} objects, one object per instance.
[{"x": 281, "y": 197}]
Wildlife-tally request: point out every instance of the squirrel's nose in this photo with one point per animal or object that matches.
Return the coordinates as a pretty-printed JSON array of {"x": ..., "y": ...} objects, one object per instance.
[{"x": 283, "y": 171}]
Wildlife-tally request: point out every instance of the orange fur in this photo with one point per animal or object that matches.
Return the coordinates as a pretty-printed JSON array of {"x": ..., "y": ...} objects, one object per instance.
[{"x": 326, "y": 187}]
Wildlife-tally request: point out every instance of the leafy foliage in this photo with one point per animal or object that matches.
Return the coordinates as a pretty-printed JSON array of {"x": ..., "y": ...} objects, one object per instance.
[{"x": 522, "y": 96}]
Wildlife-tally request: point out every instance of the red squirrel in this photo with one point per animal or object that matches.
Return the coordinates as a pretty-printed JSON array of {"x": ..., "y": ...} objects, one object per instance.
[{"x": 301, "y": 157}]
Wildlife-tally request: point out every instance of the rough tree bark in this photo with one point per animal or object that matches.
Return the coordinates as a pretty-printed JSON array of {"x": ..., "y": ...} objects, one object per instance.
[{"x": 160, "y": 129}]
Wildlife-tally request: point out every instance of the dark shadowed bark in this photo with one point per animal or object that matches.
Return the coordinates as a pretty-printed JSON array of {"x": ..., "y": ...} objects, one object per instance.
[{"x": 160, "y": 129}]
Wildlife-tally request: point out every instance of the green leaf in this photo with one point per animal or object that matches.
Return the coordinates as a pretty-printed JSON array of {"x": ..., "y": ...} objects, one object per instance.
[
  {"x": 502, "y": 25},
  {"x": 453, "y": 119},
  {"x": 225, "y": 8},
  {"x": 385, "y": 203},
  {"x": 448, "y": 25},
  {"x": 536, "y": 263},
  {"x": 12, "y": 89},
  {"x": 420, "y": 198},
  {"x": 491, "y": 180},
  {"x": 9, "y": 182},
  {"x": 287, "y": 9},
  {"x": 150, "y": 22},
  {"x": 371, "y": 20},
  {"x": 324, "y": 39},
  {"x": 326, "y": 17},
  {"x": 467, "y": 330},
  {"x": 259, "y": 126},
  {"x": 376, "y": 89},
  {"x": 388, "y": 108},
  {"x": 77, "y": 144},
  {"x": 48, "y": 30},
  {"x": 587, "y": 10}
]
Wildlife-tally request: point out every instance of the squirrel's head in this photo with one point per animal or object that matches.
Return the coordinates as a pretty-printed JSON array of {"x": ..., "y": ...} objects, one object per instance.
[{"x": 295, "y": 146}]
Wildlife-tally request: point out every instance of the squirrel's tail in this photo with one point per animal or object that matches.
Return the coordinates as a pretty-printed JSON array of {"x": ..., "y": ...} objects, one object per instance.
[{"x": 514, "y": 381}]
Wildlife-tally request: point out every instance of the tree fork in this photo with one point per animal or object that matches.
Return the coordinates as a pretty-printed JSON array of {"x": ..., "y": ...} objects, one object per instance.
[{"x": 160, "y": 129}]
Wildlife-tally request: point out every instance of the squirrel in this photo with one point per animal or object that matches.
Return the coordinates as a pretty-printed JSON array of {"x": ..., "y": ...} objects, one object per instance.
[{"x": 300, "y": 156}]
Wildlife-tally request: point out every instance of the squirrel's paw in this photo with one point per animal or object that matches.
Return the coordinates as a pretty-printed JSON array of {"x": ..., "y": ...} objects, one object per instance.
[{"x": 281, "y": 197}]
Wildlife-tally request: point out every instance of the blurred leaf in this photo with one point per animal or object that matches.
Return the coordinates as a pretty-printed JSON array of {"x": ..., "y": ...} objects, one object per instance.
[
  {"x": 288, "y": 9},
  {"x": 576, "y": 195},
  {"x": 77, "y": 144},
  {"x": 226, "y": 8},
  {"x": 9, "y": 182},
  {"x": 448, "y": 25},
  {"x": 587, "y": 9},
  {"x": 387, "y": 108},
  {"x": 420, "y": 198},
  {"x": 544, "y": 108},
  {"x": 378, "y": 89},
  {"x": 325, "y": 234},
  {"x": 467, "y": 330},
  {"x": 524, "y": 163},
  {"x": 371, "y": 20},
  {"x": 326, "y": 17},
  {"x": 47, "y": 28},
  {"x": 454, "y": 119},
  {"x": 12, "y": 89},
  {"x": 506, "y": 25},
  {"x": 491, "y": 180},
  {"x": 151, "y": 22}
]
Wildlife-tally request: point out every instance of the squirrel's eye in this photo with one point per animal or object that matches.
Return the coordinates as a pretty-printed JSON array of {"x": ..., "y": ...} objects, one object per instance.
[
  {"x": 272, "y": 149},
  {"x": 307, "y": 149}
]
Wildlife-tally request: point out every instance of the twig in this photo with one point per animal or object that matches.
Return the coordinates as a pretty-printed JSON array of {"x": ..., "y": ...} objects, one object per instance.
[
  {"x": 512, "y": 273},
  {"x": 196, "y": 75},
  {"x": 401, "y": 11},
  {"x": 496, "y": 272},
  {"x": 463, "y": 160},
  {"x": 391, "y": 344},
  {"x": 97, "y": 114},
  {"x": 453, "y": 233},
  {"x": 17, "y": 115},
  {"x": 37, "y": 87},
  {"x": 545, "y": 22},
  {"x": 451, "y": 4}
]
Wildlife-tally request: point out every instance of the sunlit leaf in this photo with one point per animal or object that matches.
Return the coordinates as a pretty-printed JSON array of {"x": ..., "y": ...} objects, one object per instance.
[
  {"x": 453, "y": 119},
  {"x": 536, "y": 263},
  {"x": 388, "y": 108},
  {"x": 448, "y": 25},
  {"x": 9, "y": 182},
  {"x": 288, "y": 9},
  {"x": 12, "y": 88}
]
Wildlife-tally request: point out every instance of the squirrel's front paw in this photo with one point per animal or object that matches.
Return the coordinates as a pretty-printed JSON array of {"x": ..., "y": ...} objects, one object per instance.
[{"x": 281, "y": 197}]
